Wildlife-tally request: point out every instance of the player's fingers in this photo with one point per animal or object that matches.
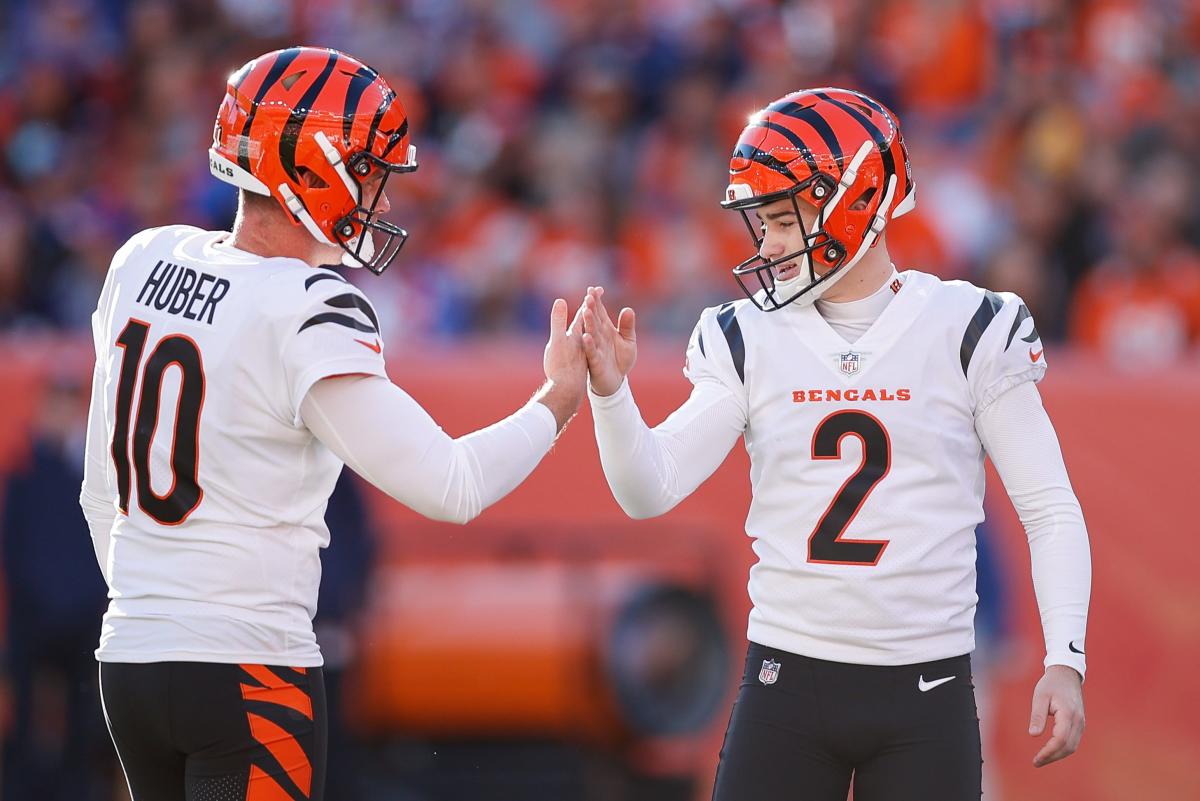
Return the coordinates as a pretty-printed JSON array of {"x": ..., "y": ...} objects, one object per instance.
[
  {"x": 576, "y": 322},
  {"x": 558, "y": 318},
  {"x": 1037, "y": 717},
  {"x": 1058, "y": 746},
  {"x": 627, "y": 324},
  {"x": 601, "y": 312}
]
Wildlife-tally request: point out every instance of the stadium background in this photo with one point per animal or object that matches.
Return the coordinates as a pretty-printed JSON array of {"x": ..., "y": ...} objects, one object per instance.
[{"x": 565, "y": 143}]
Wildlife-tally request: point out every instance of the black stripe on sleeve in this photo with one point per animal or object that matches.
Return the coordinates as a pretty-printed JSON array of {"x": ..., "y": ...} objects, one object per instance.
[
  {"x": 308, "y": 282},
  {"x": 352, "y": 300},
  {"x": 727, "y": 319},
  {"x": 988, "y": 307},
  {"x": 700, "y": 341},
  {"x": 338, "y": 318},
  {"x": 1022, "y": 315}
]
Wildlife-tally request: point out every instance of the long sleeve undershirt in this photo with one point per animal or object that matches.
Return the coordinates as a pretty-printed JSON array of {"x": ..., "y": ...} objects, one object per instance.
[{"x": 385, "y": 436}]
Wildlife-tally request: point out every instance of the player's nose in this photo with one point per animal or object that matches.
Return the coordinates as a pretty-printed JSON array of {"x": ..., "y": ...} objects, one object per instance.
[{"x": 771, "y": 247}]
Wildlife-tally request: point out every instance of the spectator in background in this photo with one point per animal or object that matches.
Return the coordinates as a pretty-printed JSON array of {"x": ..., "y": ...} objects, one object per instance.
[
  {"x": 56, "y": 748},
  {"x": 1141, "y": 306},
  {"x": 1032, "y": 115}
]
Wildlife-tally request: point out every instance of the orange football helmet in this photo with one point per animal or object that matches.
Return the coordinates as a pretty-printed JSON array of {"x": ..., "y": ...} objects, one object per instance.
[
  {"x": 840, "y": 151},
  {"x": 308, "y": 126}
]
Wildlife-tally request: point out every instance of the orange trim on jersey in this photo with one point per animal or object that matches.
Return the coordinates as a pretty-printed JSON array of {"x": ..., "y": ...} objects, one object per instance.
[
  {"x": 375, "y": 346},
  {"x": 287, "y": 752},
  {"x": 263, "y": 788},
  {"x": 276, "y": 691}
]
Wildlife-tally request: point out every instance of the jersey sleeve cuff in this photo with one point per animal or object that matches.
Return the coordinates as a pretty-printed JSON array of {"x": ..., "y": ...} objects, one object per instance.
[
  {"x": 314, "y": 373},
  {"x": 1035, "y": 373},
  {"x": 612, "y": 401}
]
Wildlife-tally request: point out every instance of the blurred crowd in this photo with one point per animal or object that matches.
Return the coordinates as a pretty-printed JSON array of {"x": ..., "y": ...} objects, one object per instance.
[{"x": 573, "y": 142}]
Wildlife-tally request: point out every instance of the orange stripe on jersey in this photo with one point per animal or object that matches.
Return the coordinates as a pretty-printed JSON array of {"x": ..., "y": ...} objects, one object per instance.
[
  {"x": 276, "y": 691},
  {"x": 287, "y": 752},
  {"x": 263, "y": 788}
]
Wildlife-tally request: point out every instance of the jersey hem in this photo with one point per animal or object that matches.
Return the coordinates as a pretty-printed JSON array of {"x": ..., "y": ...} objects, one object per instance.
[
  {"x": 128, "y": 657},
  {"x": 801, "y": 645}
]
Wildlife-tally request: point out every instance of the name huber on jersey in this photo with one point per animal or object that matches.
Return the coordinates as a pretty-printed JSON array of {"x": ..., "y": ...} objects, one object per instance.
[{"x": 177, "y": 290}]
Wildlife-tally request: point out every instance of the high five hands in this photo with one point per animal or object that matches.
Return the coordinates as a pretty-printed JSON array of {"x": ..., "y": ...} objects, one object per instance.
[{"x": 611, "y": 348}]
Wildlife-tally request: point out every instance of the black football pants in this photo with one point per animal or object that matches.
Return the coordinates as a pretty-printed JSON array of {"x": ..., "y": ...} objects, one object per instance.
[
  {"x": 802, "y": 728},
  {"x": 192, "y": 731}
]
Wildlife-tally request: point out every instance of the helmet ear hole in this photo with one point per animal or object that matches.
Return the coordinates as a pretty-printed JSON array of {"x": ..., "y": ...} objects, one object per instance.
[
  {"x": 310, "y": 178},
  {"x": 863, "y": 200}
]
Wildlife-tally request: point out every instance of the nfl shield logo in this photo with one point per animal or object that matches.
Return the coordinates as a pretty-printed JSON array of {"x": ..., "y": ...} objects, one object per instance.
[
  {"x": 850, "y": 363},
  {"x": 770, "y": 672}
]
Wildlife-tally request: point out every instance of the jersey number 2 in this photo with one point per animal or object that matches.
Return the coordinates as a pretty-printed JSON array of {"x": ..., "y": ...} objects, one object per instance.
[
  {"x": 825, "y": 544},
  {"x": 184, "y": 495}
]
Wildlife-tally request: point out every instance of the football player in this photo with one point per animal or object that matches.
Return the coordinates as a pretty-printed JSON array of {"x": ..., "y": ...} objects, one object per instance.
[
  {"x": 866, "y": 398},
  {"x": 235, "y": 374}
]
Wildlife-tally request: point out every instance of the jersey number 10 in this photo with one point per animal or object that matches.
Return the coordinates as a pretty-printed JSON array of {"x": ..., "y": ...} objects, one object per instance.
[{"x": 173, "y": 507}]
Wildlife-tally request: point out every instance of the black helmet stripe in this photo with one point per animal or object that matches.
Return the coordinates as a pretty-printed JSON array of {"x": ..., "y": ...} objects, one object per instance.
[
  {"x": 358, "y": 84},
  {"x": 813, "y": 118},
  {"x": 379, "y": 112},
  {"x": 881, "y": 142},
  {"x": 752, "y": 153},
  {"x": 281, "y": 63},
  {"x": 291, "y": 131},
  {"x": 792, "y": 137},
  {"x": 397, "y": 136}
]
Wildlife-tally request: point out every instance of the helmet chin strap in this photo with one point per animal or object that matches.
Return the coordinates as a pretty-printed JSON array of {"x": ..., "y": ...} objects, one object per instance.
[
  {"x": 296, "y": 207},
  {"x": 794, "y": 285},
  {"x": 367, "y": 249},
  {"x": 876, "y": 226}
]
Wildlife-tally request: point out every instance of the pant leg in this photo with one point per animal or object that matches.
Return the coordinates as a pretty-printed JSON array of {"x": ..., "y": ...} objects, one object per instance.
[
  {"x": 136, "y": 701},
  {"x": 254, "y": 732},
  {"x": 932, "y": 750},
  {"x": 775, "y": 745}
]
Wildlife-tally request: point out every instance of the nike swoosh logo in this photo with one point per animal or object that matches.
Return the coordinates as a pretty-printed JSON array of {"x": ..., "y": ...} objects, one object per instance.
[
  {"x": 1071, "y": 647},
  {"x": 926, "y": 686},
  {"x": 375, "y": 346},
  {"x": 1036, "y": 356}
]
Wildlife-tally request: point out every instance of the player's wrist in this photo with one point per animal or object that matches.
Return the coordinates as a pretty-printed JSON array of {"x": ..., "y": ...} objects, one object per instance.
[{"x": 561, "y": 398}]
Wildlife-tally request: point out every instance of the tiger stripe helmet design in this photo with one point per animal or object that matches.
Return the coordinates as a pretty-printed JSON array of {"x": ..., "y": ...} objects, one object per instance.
[
  {"x": 312, "y": 127},
  {"x": 836, "y": 149}
]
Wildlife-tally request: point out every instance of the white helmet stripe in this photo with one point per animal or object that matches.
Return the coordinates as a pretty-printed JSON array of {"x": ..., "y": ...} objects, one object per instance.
[
  {"x": 296, "y": 206},
  {"x": 335, "y": 159}
]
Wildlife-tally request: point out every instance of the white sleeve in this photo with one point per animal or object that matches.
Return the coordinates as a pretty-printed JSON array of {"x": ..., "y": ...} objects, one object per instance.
[
  {"x": 333, "y": 330},
  {"x": 385, "y": 436},
  {"x": 97, "y": 498},
  {"x": 1016, "y": 432},
  {"x": 650, "y": 471}
]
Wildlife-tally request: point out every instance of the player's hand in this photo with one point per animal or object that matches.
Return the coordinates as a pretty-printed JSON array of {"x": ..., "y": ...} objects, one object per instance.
[
  {"x": 1058, "y": 694},
  {"x": 611, "y": 349},
  {"x": 565, "y": 365}
]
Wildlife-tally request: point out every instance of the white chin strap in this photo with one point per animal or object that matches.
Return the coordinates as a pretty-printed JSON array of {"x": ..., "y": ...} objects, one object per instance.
[
  {"x": 787, "y": 289},
  {"x": 368, "y": 249}
]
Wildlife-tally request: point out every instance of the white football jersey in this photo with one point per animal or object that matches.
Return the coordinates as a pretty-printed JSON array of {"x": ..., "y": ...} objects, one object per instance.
[
  {"x": 206, "y": 354},
  {"x": 866, "y": 469}
]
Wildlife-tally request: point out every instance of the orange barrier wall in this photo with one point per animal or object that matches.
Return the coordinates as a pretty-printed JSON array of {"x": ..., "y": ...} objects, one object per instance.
[{"x": 1131, "y": 442}]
